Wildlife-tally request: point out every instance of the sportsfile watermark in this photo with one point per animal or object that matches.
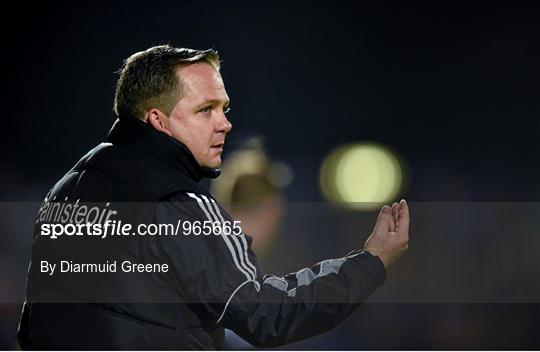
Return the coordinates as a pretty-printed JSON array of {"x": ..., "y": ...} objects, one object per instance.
[
  {"x": 472, "y": 252},
  {"x": 118, "y": 228},
  {"x": 101, "y": 220}
]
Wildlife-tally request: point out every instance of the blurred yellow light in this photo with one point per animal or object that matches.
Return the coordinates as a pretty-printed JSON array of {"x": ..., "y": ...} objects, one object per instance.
[{"x": 361, "y": 176}]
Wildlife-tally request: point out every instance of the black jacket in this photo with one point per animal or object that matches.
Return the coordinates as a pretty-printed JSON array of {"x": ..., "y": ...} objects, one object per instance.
[{"x": 213, "y": 281}]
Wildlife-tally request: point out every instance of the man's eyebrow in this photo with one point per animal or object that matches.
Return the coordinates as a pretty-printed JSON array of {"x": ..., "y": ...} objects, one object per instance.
[{"x": 214, "y": 102}]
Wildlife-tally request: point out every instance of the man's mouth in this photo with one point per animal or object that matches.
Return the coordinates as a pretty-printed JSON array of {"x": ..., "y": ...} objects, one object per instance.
[{"x": 218, "y": 146}]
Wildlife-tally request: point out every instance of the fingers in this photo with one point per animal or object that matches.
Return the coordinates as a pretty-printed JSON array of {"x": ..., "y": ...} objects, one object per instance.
[
  {"x": 403, "y": 221},
  {"x": 392, "y": 218},
  {"x": 385, "y": 221},
  {"x": 395, "y": 213}
]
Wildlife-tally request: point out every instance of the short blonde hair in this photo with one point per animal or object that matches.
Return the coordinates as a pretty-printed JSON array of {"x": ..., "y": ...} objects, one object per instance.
[{"x": 148, "y": 79}]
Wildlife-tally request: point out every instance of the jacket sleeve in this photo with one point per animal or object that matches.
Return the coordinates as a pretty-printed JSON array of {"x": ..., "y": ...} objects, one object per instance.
[{"x": 221, "y": 274}]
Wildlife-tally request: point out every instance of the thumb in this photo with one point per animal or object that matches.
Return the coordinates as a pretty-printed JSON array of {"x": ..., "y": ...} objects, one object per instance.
[{"x": 384, "y": 221}]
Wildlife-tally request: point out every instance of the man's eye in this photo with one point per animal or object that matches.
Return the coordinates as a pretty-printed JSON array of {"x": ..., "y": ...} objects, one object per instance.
[{"x": 206, "y": 109}]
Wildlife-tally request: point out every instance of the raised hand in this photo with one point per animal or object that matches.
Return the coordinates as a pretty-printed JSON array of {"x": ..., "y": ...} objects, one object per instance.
[{"x": 390, "y": 237}]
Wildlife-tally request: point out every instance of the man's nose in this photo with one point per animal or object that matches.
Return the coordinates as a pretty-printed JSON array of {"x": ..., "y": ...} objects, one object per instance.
[{"x": 224, "y": 124}]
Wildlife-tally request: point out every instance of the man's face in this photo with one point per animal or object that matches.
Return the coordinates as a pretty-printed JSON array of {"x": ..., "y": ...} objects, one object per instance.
[{"x": 198, "y": 120}]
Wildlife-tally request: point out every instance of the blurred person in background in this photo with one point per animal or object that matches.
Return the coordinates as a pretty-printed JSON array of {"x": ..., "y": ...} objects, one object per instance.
[{"x": 251, "y": 189}]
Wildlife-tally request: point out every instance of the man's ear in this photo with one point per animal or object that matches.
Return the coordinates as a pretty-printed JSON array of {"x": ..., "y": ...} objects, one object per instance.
[{"x": 158, "y": 120}]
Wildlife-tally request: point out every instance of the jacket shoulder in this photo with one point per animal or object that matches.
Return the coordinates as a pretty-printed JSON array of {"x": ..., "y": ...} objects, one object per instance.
[{"x": 121, "y": 173}]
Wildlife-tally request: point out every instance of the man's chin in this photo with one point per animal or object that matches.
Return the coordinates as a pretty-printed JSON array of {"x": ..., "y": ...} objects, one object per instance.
[{"x": 214, "y": 164}]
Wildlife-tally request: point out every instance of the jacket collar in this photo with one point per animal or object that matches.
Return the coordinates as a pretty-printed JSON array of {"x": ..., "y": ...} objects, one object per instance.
[{"x": 132, "y": 131}]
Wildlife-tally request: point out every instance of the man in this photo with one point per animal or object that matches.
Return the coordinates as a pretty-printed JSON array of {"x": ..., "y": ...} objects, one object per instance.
[
  {"x": 122, "y": 290},
  {"x": 252, "y": 190}
]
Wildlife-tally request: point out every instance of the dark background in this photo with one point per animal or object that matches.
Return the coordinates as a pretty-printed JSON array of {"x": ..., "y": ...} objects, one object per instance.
[{"x": 453, "y": 87}]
